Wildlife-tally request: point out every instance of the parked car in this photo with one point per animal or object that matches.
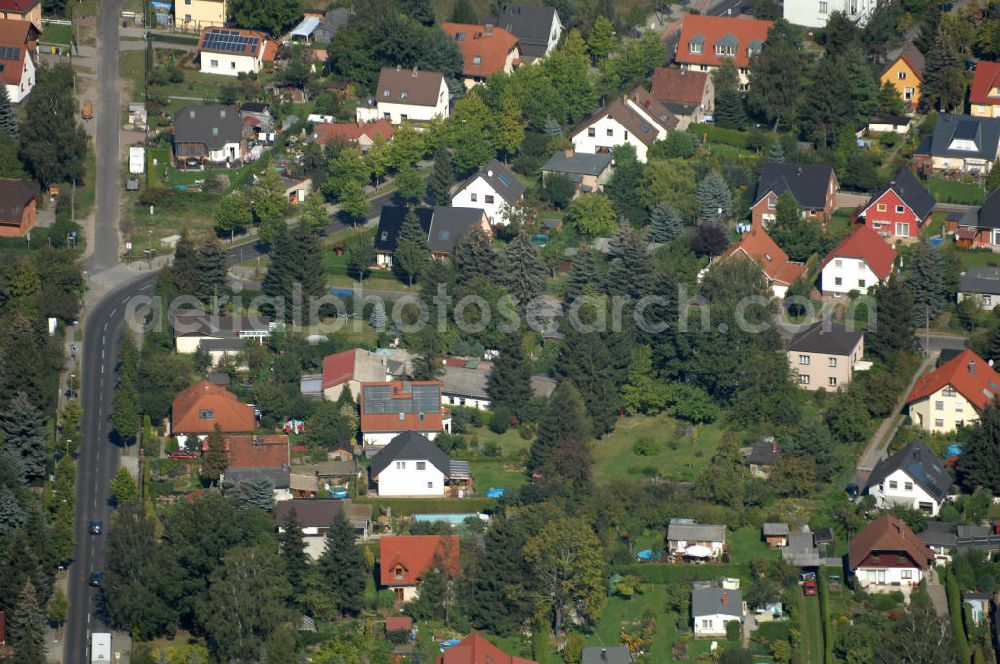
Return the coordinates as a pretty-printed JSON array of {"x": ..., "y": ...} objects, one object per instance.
[
  {"x": 96, "y": 527},
  {"x": 95, "y": 579},
  {"x": 87, "y": 110},
  {"x": 809, "y": 588},
  {"x": 807, "y": 576}
]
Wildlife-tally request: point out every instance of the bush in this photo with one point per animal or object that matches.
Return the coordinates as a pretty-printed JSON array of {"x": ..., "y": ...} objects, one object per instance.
[
  {"x": 500, "y": 420},
  {"x": 558, "y": 190},
  {"x": 733, "y": 629},
  {"x": 492, "y": 449},
  {"x": 646, "y": 447}
]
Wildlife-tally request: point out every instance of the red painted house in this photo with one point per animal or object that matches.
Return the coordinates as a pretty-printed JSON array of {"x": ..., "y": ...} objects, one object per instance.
[{"x": 900, "y": 209}]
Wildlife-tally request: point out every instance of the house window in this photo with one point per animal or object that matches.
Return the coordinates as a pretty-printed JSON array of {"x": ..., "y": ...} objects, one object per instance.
[
  {"x": 206, "y": 414},
  {"x": 772, "y": 203},
  {"x": 939, "y": 423},
  {"x": 402, "y": 116},
  {"x": 906, "y": 574},
  {"x": 804, "y": 359},
  {"x": 902, "y": 229},
  {"x": 893, "y": 484},
  {"x": 232, "y": 65},
  {"x": 430, "y": 485},
  {"x": 949, "y": 391},
  {"x": 421, "y": 465},
  {"x": 901, "y": 75},
  {"x": 987, "y": 300},
  {"x": 213, "y": 63},
  {"x": 404, "y": 95},
  {"x": 385, "y": 93},
  {"x": 881, "y": 207},
  {"x": 400, "y": 465},
  {"x": 831, "y": 362},
  {"x": 489, "y": 199},
  {"x": 611, "y": 132},
  {"x": 907, "y": 486},
  {"x": 823, "y": 8},
  {"x": 803, "y": 379},
  {"x": 706, "y": 624},
  {"x": 838, "y": 263},
  {"x": 476, "y": 60},
  {"x": 473, "y": 197},
  {"x": 832, "y": 381},
  {"x": 959, "y": 423},
  {"x": 187, "y": 3},
  {"x": 591, "y": 132},
  {"x": 938, "y": 405},
  {"x": 907, "y": 94},
  {"x": 837, "y": 281},
  {"x": 695, "y": 47},
  {"x": 862, "y": 283},
  {"x": 187, "y": 18},
  {"x": 899, "y": 209},
  {"x": 399, "y": 572},
  {"x": 958, "y": 407}
]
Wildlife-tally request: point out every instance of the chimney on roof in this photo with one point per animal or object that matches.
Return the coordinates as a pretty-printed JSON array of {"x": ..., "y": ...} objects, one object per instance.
[
  {"x": 972, "y": 367},
  {"x": 488, "y": 29},
  {"x": 568, "y": 152}
]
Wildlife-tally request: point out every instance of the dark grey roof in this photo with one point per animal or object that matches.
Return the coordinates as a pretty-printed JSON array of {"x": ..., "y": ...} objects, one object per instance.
[
  {"x": 390, "y": 221},
  {"x": 531, "y": 26},
  {"x": 913, "y": 194},
  {"x": 948, "y": 354},
  {"x": 939, "y": 533},
  {"x": 696, "y": 532},
  {"x": 983, "y": 280},
  {"x": 895, "y": 120},
  {"x": 223, "y": 345},
  {"x": 920, "y": 464},
  {"x": 410, "y": 446},
  {"x": 319, "y": 512},
  {"x": 449, "y": 224},
  {"x": 602, "y": 655},
  {"x": 278, "y": 476},
  {"x": 985, "y": 132},
  {"x": 764, "y": 453},
  {"x": 823, "y": 536},
  {"x": 332, "y": 21},
  {"x": 829, "y": 339},
  {"x": 712, "y": 601},
  {"x": 213, "y": 125},
  {"x": 985, "y": 216},
  {"x": 464, "y": 382},
  {"x": 218, "y": 379},
  {"x": 579, "y": 163},
  {"x": 500, "y": 178},
  {"x": 774, "y": 529},
  {"x": 196, "y": 323},
  {"x": 807, "y": 182}
]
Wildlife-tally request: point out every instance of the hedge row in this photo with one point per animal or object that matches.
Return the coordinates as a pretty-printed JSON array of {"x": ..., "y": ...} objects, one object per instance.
[
  {"x": 409, "y": 506},
  {"x": 824, "y": 616},
  {"x": 955, "y": 611},
  {"x": 171, "y": 38}
]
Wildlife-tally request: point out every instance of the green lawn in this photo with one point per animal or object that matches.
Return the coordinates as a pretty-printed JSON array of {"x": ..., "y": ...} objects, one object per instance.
[
  {"x": 57, "y": 34},
  {"x": 811, "y": 628},
  {"x": 840, "y": 221},
  {"x": 933, "y": 228},
  {"x": 614, "y": 458},
  {"x": 510, "y": 441},
  {"x": 746, "y": 544},
  {"x": 952, "y": 191},
  {"x": 133, "y": 69},
  {"x": 490, "y": 474}
]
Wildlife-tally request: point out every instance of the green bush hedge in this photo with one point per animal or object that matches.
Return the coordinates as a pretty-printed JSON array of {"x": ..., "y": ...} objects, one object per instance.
[
  {"x": 713, "y": 134},
  {"x": 824, "y": 615},
  {"x": 171, "y": 38},
  {"x": 408, "y": 506},
  {"x": 955, "y": 610}
]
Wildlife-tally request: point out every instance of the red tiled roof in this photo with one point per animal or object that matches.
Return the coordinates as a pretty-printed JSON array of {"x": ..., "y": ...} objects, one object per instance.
[
  {"x": 760, "y": 247},
  {"x": 16, "y": 34},
  {"x": 986, "y": 78},
  {"x": 889, "y": 535},
  {"x": 397, "y": 418},
  {"x": 398, "y": 623},
  {"x": 865, "y": 243},
  {"x": 350, "y": 132},
  {"x": 969, "y": 374},
  {"x": 714, "y": 28},
  {"x": 412, "y": 555},
  {"x": 673, "y": 84},
  {"x": 255, "y": 451},
  {"x": 220, "y": 405},
  {"x": 491, "y": 49},
  {"x": 338, "y": 368},
  {"x": 19, "y": 6},
  {"x": 474, "y": 649}
]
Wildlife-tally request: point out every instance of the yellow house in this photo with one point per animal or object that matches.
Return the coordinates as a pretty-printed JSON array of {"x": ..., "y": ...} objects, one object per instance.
[
  {"x": 954, "y": 394},
  {"x": 198, "y": 14},
  {"x": 906, "y": 73}
]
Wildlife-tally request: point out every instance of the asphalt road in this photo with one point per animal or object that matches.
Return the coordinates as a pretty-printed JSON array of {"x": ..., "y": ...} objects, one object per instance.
[
  {"x": 107, "y": 110},
  {"x": 726, "y": 8}
]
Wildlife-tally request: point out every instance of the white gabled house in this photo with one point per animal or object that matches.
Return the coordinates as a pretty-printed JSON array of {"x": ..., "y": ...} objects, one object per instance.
[
  {"x": 231, "y": 52},
  {"x": 887, "y": 555},
  {"x": 406, "y": 94},
  {"x": 411, "y": 465},
  {"x": 636, "y": 119},
  {"x": 713, "y": 608},
  {"x": 912, "y": 477},
  {"x": 18, "y": 42},
  {"x": 490, "y": 189},
  {"x": 861, "y": 261}
]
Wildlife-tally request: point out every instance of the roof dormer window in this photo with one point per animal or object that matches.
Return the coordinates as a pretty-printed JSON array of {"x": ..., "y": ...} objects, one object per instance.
[
  {"x": 695, "y": 47},
  {"x": 476, "y": 60},
  {"x": 404, "y": 95},
  {"x": 385, "y": 93}
]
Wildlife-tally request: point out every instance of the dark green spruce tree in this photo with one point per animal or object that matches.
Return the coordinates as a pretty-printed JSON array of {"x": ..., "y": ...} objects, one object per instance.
[
  {"x": 293, "y": 550},
  {"x": 525, "y": 270},
  {"x": 442, "y": 178},
  {"x": 630, "y": 271},
  {"x": 565, "y": 419},
  {"x": 210, "y": 271},
  {"x": 585, "y": 275},
  {"x": 665, "y": 225},
  {"x": 715, "y": 198},
  {"x": 509, "y": 383},
  {"x": 184, "y": 269},
  {"x": 892, "y": 330},
  {"x": 979, "y": 465},
  {"x": 924, "y": 279},
  {"x": 27, "y": 628},
  {"x": 475, "y": 256},
  {"x": 342, "y": 567},
  {"x": 585, "y": 359},
  {"x": 411, "y": 255},
  {"x": 8, "y": 121}
]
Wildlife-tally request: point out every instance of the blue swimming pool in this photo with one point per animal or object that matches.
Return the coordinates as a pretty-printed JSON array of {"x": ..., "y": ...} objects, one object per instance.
[{"x": 447, "y": 518}]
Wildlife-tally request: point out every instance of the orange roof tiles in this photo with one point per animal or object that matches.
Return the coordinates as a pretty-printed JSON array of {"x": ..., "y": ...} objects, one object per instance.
[
  {"x": 866, "y": 244},
  {"x": 672, "y": 84},
  {"x": 474, "y": 649},
  {"x": 760, "y": 247},
  {"x": 351, "y": 132},
  {"x": 400, "y": 413},
  {"x": 256, "y": 451},
  {"x": 889, "y": 535},
  {"x": 491, "y": 48},
  {"x": 403, "y": 559},
  {"x": 713, "y": 29},
  {"x": 984, "y": 81},
  {"x": 201, "y": 407},
  {"x": 969, "y": 374}
]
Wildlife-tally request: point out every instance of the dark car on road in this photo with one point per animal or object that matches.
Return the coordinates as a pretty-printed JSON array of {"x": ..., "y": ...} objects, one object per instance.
[
  {"x": 95, "y": 579},
  {"x": 96, "y": 527}
]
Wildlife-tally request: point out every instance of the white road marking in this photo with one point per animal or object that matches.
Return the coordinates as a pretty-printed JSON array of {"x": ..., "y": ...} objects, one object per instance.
[
  {"x": 105, "y": 325},
  {"x": 115, "y": 310},
  {"x": 88, "y": 618}
]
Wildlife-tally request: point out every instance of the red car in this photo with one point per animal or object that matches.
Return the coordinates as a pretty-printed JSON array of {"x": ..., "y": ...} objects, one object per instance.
[
  {"x": 809, "y": 588},
  {"x": 183, "y": 454}
]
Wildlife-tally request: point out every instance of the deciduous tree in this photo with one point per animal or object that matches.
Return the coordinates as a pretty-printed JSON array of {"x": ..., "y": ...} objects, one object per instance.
[
  {"x": 274, "y": 16},
  {"x": 53, "y": 144},
  {"x": 592, "y": 215},
  {"x": 216, "y": 458}
]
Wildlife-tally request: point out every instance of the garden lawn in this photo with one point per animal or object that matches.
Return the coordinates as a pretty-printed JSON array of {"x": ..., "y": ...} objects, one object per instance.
[
  {"x": 133, "y": 69},
  {"x": 489, "y": 474},
  {"x": 811, "y": 628},
  {"x": 510, "y": 441},
  {"x": 840, "y": 221},
  {"x": 953, "y": 191},
  {"x": 57, "y": 34},
  {"x": 614, "y": 458},
  {"x": 746, "y": 544},
  {"x": 933, "y": 227}
]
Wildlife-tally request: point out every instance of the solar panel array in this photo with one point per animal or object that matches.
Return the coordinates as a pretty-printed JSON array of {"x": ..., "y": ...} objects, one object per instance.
[
  {"x": 379, "y": 399},
  {"x": 10, "y": 53},
  {"x": 230, "y": 41}
]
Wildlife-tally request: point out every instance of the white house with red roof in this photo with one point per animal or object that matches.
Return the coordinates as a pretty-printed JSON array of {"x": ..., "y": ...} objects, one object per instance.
[
  {"x": 404, "y": 559},
  {"x": 705, "y": 41},
  {"x": 779, "y": 271},
  {"x": 861, "y": 260},
  {"x": 362, "y": 134},
  {"x": 348, "y": 369},
  {"x": 636, "y": 119},
  {"x": 900, "y": 209},
  {"x": 984, "y": 96},
  {"x": 18, "y": 40},
  {"x": 954, "y": 394},
  {"x": 231, "y": 51}
]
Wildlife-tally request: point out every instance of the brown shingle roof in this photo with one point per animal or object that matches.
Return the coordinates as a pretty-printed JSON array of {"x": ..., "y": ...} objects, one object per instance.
[
  {"x": 889, "y": 535},
  {"x": 15, "y": 195},
  {"x": 673, "y": 84},
  {"x": 475, "y": 42},
  {"x": 408, "y": 86}
]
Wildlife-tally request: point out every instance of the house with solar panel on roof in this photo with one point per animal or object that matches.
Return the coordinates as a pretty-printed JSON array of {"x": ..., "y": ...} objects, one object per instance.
[
  {"x": 231, "y": 52},
  {"x": 913, "y": 477},
  {"x": 492, "y": 188},
  {"x": 18, "y": 40},
  {"x": 390, "y": 408}
]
